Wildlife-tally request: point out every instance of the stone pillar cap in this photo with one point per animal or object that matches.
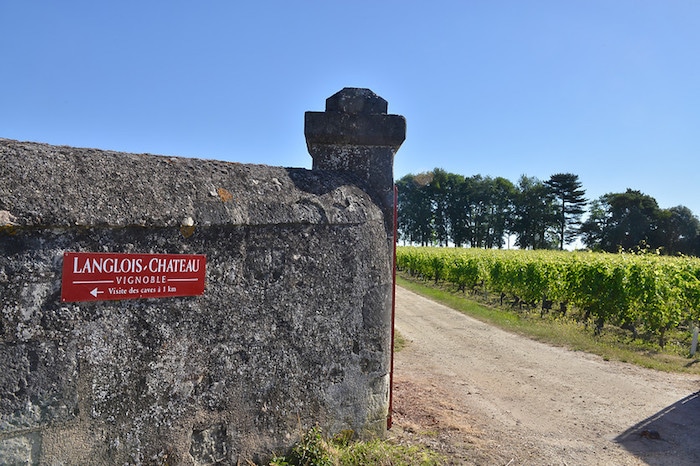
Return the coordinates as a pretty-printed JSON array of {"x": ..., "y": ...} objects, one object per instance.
[
  {"x": 356, "y": 100},
  {"x": 354, "y": 117}
]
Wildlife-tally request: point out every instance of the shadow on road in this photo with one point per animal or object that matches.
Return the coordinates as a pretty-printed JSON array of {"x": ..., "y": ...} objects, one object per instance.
[{"x": 669, "y": 437}]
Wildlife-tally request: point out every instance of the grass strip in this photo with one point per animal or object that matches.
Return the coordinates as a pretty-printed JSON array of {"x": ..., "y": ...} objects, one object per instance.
[{"x": 314, "y": 449}]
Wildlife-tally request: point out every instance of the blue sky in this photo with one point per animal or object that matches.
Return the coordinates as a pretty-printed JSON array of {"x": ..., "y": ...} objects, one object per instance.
[{"x": 606, "y": 89}]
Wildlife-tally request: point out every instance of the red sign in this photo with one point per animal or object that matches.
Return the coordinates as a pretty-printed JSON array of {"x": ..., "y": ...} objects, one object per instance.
[{"x": 91, "y": 276}]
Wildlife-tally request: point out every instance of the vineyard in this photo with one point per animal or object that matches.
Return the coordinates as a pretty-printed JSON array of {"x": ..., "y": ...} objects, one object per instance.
[{"x": 644, "y": 293}]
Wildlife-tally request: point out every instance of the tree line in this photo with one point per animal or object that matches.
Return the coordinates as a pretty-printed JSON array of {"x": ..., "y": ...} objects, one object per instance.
[{"x": 441, "y": 208}]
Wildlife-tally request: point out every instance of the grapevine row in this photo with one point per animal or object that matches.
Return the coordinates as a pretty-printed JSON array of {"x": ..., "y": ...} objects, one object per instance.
[{"x": 645, "y": 291}]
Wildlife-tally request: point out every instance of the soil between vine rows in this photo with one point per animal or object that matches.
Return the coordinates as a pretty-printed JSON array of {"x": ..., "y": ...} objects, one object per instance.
[{"x": 483, "y": 396}]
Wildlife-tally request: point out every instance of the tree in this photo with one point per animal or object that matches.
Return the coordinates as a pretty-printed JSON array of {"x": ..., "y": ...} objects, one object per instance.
[
  {"x": 443, "y": 208},
  {"x": 624, "y": 221},
  {"x": 488, "y": 206},
  {"x": 591, "y": 230},
  {"x": 439, "y": 193},
  {"x": 456, "y": 209},
  {"x": 415, "y": 213},
  {"x": 535, "y": 215},
  {"x": 680, "y": 230},
  {"x": 501, "y": 195},
  {"x": 477, "y": 203},
  {"x": 571, "y": 203}
]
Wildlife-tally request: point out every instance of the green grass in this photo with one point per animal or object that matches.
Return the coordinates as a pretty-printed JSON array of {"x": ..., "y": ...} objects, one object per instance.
[
  {"x": 400, "y": 341},
  {"x": 613, "y": 344},
  {"x": 316, "y": 450}
]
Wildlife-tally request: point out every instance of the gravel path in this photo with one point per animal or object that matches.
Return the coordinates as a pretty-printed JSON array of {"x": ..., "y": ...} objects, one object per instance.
[{"x": 485, "y": 396}]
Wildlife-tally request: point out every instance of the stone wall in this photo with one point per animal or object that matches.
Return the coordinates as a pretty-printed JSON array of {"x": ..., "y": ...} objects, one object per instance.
[{"x": 293, "y": 329}]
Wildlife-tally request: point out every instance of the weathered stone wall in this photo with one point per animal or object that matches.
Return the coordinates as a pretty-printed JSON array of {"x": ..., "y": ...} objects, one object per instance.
[{"x": 293, "y": 328}]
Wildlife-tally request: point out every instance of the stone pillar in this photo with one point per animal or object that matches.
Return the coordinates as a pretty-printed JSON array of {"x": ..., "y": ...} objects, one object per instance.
[{"x": 355, "y": 134}]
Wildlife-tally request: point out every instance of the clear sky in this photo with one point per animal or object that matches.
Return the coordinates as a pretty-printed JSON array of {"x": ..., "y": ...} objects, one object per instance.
[{"x": 606, "y": 89}]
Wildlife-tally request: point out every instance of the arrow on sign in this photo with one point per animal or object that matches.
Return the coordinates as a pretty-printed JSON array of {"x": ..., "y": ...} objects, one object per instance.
[{"x": 95, "y": 292}]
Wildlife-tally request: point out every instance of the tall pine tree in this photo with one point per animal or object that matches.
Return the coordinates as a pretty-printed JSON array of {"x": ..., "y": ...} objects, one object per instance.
[{"x": 571, "y": 204}]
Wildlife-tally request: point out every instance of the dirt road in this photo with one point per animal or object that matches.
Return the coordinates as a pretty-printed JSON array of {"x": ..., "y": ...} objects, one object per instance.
[{"x": 485, "y": 396}]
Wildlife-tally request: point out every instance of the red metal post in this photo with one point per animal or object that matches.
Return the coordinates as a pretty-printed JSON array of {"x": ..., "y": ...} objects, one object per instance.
[{"x": 389, "y": 419}]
